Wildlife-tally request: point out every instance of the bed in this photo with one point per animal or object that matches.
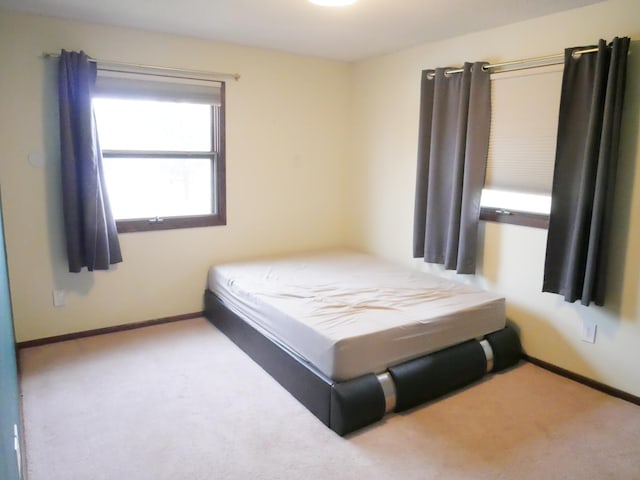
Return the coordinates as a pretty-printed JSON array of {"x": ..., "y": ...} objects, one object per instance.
[{"x": 353, "y": 337}]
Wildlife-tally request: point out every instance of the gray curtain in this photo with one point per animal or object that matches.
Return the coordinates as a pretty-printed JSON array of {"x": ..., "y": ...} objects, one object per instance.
[
  {"x": 585, "y": 172},
  {"x": 90, "y": 230},
  {"x": 455, "y": 115}
]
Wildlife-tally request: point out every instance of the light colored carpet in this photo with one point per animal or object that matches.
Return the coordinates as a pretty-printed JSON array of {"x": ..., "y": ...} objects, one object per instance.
[{"x": 180, "y": 401}]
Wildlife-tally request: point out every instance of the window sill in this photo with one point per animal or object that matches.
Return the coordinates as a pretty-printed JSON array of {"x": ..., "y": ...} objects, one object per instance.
[
  {"x": 535, "y": 220},
  {"x": 169, "y": 223}
]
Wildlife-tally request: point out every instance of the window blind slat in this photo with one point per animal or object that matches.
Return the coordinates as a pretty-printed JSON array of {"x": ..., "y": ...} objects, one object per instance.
[{"x": 524, "y": 123}]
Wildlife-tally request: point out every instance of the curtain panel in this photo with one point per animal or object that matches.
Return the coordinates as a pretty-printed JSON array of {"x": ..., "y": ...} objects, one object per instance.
[
  {"x": 90, "y": 230},
  {"x": 455, "y": 117},
  {"x": 585, "y": 172}
]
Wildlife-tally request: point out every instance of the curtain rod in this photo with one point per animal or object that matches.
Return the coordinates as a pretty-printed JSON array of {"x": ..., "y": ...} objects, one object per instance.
[
  {"x": 525, "y": 62},
  {"x": 235, "y": 76}
]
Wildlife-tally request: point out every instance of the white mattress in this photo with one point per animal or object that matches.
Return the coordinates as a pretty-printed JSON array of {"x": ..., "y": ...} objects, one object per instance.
[{"x": 349, "y": 314}]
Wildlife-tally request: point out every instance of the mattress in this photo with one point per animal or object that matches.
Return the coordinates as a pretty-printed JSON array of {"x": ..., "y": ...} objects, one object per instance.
[{"x": 348, "y": 314}]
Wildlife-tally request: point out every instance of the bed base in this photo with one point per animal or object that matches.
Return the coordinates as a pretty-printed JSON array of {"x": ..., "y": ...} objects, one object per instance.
[{"x": 348, "y": 406}]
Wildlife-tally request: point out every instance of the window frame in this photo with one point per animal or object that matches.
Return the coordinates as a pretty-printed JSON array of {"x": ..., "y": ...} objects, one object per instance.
[
  {"x": 514, "y": 217},
  {"x": 217, "y": 157}
]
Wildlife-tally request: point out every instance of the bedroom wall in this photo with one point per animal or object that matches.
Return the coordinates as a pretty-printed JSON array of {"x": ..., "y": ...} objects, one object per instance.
[
  {"x": 386, "y": 96},
  {"x": 287, "y": 122}
]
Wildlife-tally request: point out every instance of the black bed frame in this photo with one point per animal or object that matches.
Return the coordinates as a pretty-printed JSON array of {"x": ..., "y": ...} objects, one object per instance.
[{"x": 347, "y": 406}]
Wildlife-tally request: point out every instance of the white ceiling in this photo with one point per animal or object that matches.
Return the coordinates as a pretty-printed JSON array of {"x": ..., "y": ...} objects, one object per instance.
[{"x": 365, "y": 29}]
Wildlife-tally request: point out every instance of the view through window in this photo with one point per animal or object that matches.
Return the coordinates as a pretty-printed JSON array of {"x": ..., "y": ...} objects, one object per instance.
[{"x": 161, "y": 161}]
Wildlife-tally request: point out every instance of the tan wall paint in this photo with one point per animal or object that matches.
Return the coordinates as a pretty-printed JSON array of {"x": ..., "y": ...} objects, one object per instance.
[
  {"x": 287, "y": 122},
  {"x": 385, "y": 106}
]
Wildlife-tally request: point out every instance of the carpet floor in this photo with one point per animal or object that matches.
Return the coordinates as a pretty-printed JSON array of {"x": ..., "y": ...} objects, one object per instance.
[{"x": 180, "y": 401}]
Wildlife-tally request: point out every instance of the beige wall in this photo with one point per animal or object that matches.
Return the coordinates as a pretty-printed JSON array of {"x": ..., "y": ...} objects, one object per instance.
[
  {"x": 287, "y": 122},
  {"x": 385, "y": 106}
]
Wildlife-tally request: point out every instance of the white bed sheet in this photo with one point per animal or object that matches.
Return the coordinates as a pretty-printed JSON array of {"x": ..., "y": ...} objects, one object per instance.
[{"x": 349, "y": 314}]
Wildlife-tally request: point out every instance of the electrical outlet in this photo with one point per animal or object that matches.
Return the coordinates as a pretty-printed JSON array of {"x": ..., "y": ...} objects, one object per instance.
[
  {"x": 59, "y": 298},
  {"x": 589, "y": 329}
]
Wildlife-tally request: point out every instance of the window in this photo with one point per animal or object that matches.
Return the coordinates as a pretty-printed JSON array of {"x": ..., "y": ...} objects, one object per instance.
[
  {"x": 524, "y": 124},
  {"x": 162, "y": 143}
]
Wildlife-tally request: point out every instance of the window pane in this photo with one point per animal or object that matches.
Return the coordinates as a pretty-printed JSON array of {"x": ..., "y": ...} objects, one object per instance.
[
  {"x": 516, "y": 201},
  {"x": 151, "y": 125},
  {"x": 159, "y": 187}
]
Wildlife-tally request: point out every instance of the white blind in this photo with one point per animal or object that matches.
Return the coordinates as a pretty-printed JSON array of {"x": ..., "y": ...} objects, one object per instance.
[
  {"x": 153, "y": 84},
  {"x": 524, "y": 124}
]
